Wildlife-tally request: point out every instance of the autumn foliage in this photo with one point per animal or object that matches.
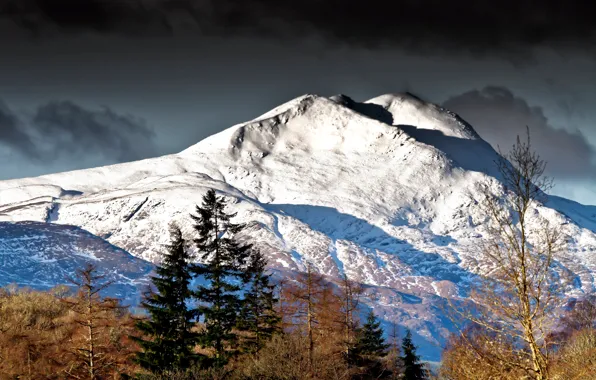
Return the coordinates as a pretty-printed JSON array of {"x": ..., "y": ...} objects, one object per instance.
[
  {"x": 55, "y": 334},
  {"x": 41, "y": 337}
]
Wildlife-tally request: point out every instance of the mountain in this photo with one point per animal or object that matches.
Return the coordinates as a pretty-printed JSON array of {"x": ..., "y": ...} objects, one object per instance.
[
  {"x": 43, "y": 255},
  {"x": 383, "y": 191}
]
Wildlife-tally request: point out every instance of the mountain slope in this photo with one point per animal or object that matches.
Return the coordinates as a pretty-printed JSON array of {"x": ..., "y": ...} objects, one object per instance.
[
  {"x": 42, "y": 255},
  {"x": 383, "y": 191}
]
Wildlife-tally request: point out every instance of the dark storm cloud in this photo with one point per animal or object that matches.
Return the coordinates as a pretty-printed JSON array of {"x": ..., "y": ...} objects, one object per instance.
[
  {"x": 12, "y": 133},
  {"x": 499, "y": 116},
  {"x": 478, "y": 27},
  {"x": 69, "y": 127},
  {"x": 64, "y": 130}
]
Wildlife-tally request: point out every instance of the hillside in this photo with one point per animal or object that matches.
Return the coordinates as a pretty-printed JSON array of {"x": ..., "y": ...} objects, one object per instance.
[{"x": 42, "y": 255}]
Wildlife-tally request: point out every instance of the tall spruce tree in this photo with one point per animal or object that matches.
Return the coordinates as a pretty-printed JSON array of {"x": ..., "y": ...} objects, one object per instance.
[
  {"x": 370, "y": 348},
  {"x": 224, "y": 261},
  {"x": 370, "y": 341},
  {"x": 258, "y": 317},
  {"x": 171, "y": 339},
  {"x": 413, "y": 368}
]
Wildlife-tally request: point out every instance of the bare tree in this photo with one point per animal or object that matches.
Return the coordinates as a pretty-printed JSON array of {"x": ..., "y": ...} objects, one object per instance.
[
  {"x": 305, "y": 296},
  {"x": 283, "y": 305},
  {"x": 395, "y": 362},
  {"x": 472, "y": 356},
  {"x": 91, "y": 313},
  {"x": 521, "y": 288},
  {"x": 308, "y": 295},
  {"x": 349, "y": 295}
]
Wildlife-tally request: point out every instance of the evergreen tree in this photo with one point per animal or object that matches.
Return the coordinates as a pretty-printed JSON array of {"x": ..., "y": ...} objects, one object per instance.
[
  {"x": 413, "y": 368},
  {"x": 370, "y": 348},
  {"x": 259, "y": 317},
  {"x": 171, "y": 339},
  {"x": 224, "y": 260},
  {"x": 370, "y": 340}
]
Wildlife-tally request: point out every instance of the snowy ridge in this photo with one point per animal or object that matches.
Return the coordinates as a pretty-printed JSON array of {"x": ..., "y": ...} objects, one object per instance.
[{"x": 383, "y": 191}]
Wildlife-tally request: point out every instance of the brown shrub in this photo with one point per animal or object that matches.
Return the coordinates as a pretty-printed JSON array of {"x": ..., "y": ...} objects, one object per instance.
[
  {"x": 479, "y": 356},
  {"x": 577, "y": 358},
  {"x": 285, "y": 357}
]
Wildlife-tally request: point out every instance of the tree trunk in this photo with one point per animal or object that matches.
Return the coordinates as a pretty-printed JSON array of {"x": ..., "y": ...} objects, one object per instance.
[
  {"x": 91, "y": 345},
  {"x": 310, "y": 312},
  {"x": 538, "y": 359}
]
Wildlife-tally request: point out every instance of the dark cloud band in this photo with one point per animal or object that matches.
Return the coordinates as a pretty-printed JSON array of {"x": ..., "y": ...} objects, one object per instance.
[
  {"x": 498, "y": 115},
  {"x": 477, "y": 27},
  {"x": 12, "y": 133},
  {"x": 65, "y": 130}
]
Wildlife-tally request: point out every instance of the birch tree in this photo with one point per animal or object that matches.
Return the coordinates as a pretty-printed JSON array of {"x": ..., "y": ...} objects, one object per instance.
[{"x": 518, "y": 294}]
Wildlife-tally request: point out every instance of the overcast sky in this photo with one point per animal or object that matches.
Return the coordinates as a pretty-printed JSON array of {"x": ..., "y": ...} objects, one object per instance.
[{"x": 90, "y": 82}]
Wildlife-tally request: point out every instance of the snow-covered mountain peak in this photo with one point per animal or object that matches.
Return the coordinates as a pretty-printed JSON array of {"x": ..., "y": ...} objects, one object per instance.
[
  {"x": 410, "y": 110},
  {"x": 339, "y": 124},
  {"x": 307, "y": 123},
  {"x": 382, "y": 130}
]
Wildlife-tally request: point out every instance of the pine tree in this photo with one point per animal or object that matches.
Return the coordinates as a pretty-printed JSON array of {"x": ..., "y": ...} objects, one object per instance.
[
  {"x": 259, "y": 317},
  {"x": 370, "y": 348},
  {"x": 413, "y": 368},
  {"x": 370, "y": 338},
  {"x": 224, "y": 260},
  {"x": 170, "y": 328}
]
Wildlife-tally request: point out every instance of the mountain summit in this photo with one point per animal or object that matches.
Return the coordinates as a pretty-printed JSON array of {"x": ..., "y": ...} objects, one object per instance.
[{"x": 382, "y": 191}]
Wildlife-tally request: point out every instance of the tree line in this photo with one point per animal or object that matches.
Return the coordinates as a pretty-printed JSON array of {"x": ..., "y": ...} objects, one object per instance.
[
  {"x": 239, "y": 311},
  {"x": 220, "y": 316}
]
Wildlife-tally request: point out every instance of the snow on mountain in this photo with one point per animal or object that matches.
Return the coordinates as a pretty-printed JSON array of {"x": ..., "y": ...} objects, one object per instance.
[
  {"x": 43, "y": 255},
  {"x": 382, "y": 191}
]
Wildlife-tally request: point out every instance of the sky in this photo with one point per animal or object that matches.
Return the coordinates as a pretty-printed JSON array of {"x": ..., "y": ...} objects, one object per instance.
[{"x": 85, "y": 83}]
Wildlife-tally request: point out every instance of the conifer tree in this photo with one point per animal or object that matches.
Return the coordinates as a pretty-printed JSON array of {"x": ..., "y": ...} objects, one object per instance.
[
  {"x": 349, "y": 298},
  {"x": 413, "y": 368},
  {"x": 171, "y": 339},
  {"x": 370, "y": 348},
  {"x": 259, "y": 317},
  {"x": 306, "y": 298},
  {"x": 93, "y": 359},
  {"x": 370, "y": 341},
  {"x": 224, "y": 261},
  {"x": 395, "y": 362}
]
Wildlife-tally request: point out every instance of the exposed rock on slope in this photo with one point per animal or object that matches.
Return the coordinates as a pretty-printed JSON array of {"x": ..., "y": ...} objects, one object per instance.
[{"x": 42, "y": 255}]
